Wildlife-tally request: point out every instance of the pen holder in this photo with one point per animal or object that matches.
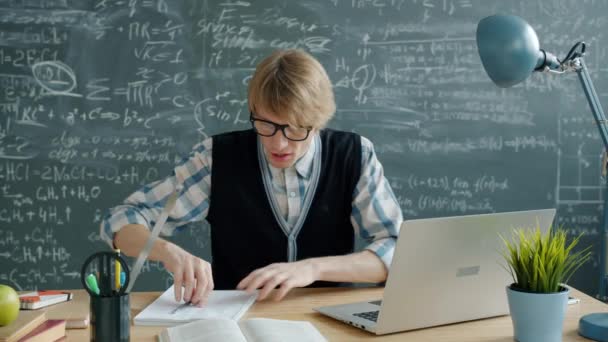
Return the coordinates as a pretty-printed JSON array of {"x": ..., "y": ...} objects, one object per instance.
[{"x": 110, "y": 319}]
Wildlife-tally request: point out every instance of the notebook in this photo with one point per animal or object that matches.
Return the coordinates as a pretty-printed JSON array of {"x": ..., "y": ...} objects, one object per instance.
[
  {"x": 165, "y": 311},
  {"x": 40, "y": 299},
  {"x": 250, "y": 330},
  {"x": 25, "y": 322},
  {"x": 49, "y": 330}
]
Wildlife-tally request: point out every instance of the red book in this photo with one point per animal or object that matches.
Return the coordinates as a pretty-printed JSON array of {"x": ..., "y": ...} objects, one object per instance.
[
  {"x": 50, "y": 330},
  {"x": 40, "y": 299}
]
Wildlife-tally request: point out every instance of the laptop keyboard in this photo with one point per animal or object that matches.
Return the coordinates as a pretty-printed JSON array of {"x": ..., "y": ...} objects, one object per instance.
[{"x": 369, "y": 315}]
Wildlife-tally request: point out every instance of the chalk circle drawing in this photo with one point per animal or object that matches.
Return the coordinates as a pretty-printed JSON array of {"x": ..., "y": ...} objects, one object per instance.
[{"x": 56, "y": 77}]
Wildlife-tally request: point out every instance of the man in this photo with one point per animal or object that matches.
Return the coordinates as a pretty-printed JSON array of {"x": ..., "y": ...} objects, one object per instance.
[{"x": 284, "y": 199}]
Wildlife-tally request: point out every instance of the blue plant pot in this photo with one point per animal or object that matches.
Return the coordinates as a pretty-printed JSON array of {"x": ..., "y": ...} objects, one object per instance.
[{"x": 537, "y": 316}]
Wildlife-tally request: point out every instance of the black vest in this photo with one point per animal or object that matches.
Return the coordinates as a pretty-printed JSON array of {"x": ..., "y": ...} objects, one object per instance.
[{"x": 244, "y": 232}]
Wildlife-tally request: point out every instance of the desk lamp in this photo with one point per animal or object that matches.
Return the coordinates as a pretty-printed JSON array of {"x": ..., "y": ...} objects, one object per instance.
[{"x": 510, "y": 52}]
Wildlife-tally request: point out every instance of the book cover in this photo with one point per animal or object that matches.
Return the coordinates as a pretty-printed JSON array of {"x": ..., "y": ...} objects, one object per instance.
[
  {"x": 40, "y": 299},
  {"x": 25, "y": 322},
  {"x": 49, "y": 330}
]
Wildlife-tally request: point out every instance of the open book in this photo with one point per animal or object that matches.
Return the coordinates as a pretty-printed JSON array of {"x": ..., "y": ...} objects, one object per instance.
[
  {"x": 228, "y": 304},
  {"x": 250, "y": 330}
]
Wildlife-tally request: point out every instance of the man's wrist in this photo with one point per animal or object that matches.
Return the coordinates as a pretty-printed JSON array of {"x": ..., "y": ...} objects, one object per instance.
[
  {"x": 164, "y": 249},
  {"x": 316, "y": 265}
]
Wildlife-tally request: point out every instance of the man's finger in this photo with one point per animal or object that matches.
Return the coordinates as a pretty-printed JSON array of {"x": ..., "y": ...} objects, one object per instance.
[
  {"x": 201, "y": 284},
  {"x": 283, "y": 290},
  {"x": 177, "y": 285},
  {"x": 271, "y": 284},
  {"x": 245, "y": 281},
  {"x": 210, "y": 277},
  {"x": 260, "y": 280},
  {"x": 209, "y": 286},
  {"x": 189, "y": 283}
]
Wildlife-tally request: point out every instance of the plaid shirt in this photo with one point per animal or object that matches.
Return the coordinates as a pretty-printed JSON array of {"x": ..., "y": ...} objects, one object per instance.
[{"x": 376, "y": 216}]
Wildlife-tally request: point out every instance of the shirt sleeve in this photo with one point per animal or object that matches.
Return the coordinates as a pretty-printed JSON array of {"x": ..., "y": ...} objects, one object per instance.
[
  {"x": 376, "y": 215},
  {"x": 145, "y": 205}
]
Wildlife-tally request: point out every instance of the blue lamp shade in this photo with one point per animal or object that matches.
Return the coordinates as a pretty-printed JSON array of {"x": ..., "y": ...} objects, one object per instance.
[{"x": 508, "y": 48}]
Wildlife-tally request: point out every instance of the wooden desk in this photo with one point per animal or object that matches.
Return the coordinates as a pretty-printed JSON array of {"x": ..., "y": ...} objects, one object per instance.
[{"x": 299, "y": 303}]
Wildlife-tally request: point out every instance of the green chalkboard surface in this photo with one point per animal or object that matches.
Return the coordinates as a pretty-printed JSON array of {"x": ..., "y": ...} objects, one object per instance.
[{"x": 100, "y": 97}]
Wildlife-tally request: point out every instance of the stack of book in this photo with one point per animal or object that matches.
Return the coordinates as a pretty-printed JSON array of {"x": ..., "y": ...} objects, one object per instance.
[
  {"x": 33, "y": 326},
  {"x": 75, "y": 312},
  {"x": 45, "y": 315}
]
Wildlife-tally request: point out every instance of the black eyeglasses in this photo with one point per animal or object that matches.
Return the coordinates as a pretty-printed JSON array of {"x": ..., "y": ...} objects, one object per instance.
[{"x": 267, "y": 128}]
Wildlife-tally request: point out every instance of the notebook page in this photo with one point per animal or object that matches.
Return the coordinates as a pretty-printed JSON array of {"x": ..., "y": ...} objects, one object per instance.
[
  {"x": 211, "y": 330},
  {"x": 276, "y": 330},
  {"x": 228, "y": 304}
]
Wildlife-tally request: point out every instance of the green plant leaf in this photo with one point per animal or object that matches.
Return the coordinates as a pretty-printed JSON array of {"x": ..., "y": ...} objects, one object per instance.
[{"x": 541, "y": 262}]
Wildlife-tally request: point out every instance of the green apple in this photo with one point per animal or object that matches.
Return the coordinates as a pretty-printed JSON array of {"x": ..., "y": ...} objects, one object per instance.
[{"x": 9, "y": 305}]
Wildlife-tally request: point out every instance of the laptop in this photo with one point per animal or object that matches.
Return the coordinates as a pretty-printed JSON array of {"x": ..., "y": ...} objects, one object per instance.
[{"x": 444, "y": 270}]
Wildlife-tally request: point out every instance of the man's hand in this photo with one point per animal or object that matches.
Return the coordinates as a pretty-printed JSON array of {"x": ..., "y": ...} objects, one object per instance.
[
  {"x": 189, "y": 271},
  {"x": 284, "y": 275}
]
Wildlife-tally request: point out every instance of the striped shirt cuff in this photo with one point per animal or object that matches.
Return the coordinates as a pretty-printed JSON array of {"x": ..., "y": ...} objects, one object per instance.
[
  {"x": 384, "y": 249},
  {"x": 117, "y": 218}
]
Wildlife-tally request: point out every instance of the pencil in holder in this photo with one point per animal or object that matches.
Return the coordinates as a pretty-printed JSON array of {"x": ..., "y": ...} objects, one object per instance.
[
  {"x": 110, "y": 319},
  {"x": 102, "y": 277}
]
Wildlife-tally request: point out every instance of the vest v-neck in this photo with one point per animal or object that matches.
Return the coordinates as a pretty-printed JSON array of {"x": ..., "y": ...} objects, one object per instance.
[
  {"x": 292, "y": 233},
  {"x": 246, "y": 235}
]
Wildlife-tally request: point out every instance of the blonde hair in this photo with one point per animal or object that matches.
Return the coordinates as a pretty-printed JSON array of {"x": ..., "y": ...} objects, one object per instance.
[{"x": 294, "y": 86}]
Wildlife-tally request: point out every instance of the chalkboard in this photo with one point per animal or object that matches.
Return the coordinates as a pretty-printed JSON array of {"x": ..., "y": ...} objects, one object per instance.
[{"x": 100, "y": 97}]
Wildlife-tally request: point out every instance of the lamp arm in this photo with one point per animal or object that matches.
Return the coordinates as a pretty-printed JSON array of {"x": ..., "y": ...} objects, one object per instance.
[
  {"x": 600, "y": 120},
  {"x": 594, "y": 101}
]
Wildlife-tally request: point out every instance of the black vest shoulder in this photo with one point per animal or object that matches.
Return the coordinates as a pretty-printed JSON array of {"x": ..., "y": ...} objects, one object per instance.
[{"x": 244, "y": 232}]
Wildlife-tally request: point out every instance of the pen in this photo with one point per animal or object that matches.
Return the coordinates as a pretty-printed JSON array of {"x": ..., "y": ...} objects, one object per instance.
[
  {"x": 105, "y": 274},
  {"x": 98, "y": 280},
  {"x": 92, "y": 283},
  {"x": 117, "y": 272},
  {"x": 181, "y": 307}
]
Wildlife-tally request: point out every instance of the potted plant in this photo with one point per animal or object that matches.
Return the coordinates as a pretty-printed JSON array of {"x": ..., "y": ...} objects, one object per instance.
[{"x": 541, "y": 265}]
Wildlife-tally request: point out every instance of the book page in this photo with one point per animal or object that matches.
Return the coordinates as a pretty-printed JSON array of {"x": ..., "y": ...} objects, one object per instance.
[
  {"x": 229, "y": 304},
  {"x": 208, "y": 330},
  {"x": 275, "y": 330}
]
